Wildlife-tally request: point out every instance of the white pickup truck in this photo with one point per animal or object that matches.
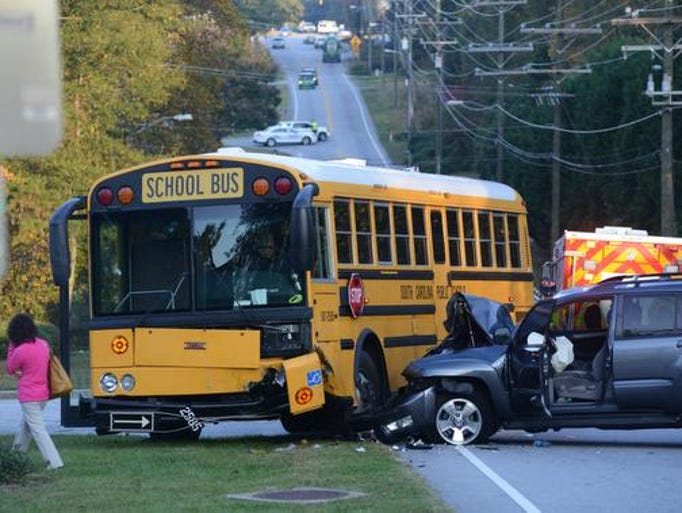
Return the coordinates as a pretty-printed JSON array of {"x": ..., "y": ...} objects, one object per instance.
[{"x": 321, "y": 131}]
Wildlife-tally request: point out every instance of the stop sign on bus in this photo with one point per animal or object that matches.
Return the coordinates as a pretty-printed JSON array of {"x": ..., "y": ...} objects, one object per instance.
[{"x": 356, "y": 295}]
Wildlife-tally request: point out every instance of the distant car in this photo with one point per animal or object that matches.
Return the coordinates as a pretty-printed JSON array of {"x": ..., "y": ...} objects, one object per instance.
[
  {"x": 308, "y": 27},
  {"x": 277, "y": 43},
  {"x": 321, "y": 132},
  {"x": 278, "y": 134},
  {"x": 309, "y": 39},
  {"x": 312, "y": 71},
  {"x": 345, "y": 34},
  {"x": 307, "y": 81},
  {"x": 319, "y": 41}
]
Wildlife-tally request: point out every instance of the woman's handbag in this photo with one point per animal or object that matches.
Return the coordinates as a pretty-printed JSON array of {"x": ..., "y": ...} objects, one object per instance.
[{"x": 60, "y": 383}]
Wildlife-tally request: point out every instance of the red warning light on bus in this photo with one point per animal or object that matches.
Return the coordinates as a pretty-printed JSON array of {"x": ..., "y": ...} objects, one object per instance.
[{"x": 303, "y": 395}]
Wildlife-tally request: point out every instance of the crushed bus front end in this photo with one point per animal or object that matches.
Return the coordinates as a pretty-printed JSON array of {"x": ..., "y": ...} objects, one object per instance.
[{"x": 199, "y": 306}]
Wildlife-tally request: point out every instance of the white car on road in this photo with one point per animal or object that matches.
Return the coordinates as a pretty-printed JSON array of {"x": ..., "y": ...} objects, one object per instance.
[
  {"x": 321, "y": 132},
  {"x": 280, "y": 134}
]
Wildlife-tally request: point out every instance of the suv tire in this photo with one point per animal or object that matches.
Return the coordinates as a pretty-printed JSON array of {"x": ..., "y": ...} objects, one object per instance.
[{"x": 464, "y": 418}]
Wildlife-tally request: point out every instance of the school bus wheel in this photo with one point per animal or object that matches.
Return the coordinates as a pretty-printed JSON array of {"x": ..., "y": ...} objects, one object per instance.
[{"x": 368, "y": 383}]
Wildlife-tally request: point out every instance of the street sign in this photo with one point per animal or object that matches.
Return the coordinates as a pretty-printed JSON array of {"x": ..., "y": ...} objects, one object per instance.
[
  {"x": 355, "y": 42},
  {"x": 131, "y": 421}
]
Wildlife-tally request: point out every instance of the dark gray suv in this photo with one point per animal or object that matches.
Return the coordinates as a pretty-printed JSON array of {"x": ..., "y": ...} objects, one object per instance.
[{"x": 606, "y": 356}]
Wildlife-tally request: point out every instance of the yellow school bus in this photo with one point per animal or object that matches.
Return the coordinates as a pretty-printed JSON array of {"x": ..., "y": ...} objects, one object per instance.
[{"x": 237, "y": 285}]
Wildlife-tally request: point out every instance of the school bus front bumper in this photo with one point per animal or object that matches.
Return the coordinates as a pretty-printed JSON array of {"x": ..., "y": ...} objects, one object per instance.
[{"x": 296, "y": 388}]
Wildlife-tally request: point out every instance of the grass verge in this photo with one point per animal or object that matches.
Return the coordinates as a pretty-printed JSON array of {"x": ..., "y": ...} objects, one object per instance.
[
  {"x": 132, "y": 473},
  {"x": 387, "y": 114}
]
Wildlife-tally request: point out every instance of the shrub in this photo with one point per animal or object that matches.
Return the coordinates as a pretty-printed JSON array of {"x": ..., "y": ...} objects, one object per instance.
[
  {"x": 358, "y": 68},
  {"x": 14, "y": 466}
]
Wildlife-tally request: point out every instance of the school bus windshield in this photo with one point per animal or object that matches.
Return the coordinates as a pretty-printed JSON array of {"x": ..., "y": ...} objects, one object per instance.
[{"x": 193, "y": 259}]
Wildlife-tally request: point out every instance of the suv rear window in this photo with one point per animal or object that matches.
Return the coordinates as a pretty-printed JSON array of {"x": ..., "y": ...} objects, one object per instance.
[{"x": 650, "y": 314}]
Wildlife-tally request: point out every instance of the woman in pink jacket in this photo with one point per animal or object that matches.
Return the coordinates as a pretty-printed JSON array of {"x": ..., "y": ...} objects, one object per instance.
[{"x": 28, "y": 358}]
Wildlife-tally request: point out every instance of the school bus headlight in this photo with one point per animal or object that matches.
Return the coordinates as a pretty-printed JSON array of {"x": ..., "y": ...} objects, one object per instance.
[
  {"x": 108, "y": 383},
  {"x": 128, "y": 382}
]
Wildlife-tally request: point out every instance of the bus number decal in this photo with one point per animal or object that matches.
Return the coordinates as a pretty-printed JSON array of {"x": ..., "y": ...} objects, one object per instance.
[
  {"x": 190, "y": 417},
  {"x": 192, "y": 185},
  {"x": 328, "y": 316}
]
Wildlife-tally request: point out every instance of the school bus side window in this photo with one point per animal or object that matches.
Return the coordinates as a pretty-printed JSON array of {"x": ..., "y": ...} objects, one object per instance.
[
  {"x": 419, "y": 231},
  {"x": 500, "y": 240},
  {"x": 344, "y": 234},
  {"x": 437, "y": 237},
  {"x": 402, "y": 235},
  {"x": 382, "y": 228},
  {"x": 454, "y": 238},
  {"x": 469, "y": 238},
  {"x": 514, "y": 240},
  {"x": 363, "y": 232},
  {"x": 484, "y": 239},
  {"x": 323, "y": 265}
]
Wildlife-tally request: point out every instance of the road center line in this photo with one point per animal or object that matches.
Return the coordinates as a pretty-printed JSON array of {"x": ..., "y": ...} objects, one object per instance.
[
  {"x": 364, "y": 121},
  {"x": 513, "y": 493}
]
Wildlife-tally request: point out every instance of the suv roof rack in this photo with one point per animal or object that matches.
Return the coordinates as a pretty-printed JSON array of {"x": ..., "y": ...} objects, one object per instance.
[{"x": 641, "y": 278}]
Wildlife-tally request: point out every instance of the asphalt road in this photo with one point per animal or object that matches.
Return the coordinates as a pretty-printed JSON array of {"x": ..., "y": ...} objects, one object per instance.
[
  {"x": 586, "y": 470},
  {"x": 335, "y": 103}
]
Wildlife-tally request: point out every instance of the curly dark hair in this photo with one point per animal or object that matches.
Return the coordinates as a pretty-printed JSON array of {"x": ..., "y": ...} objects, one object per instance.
[{"x": 21, "y": 328}]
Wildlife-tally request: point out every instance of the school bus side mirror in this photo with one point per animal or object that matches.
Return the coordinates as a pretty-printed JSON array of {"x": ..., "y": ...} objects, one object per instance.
[
  {"x": 60, "y": 259},
  {"x": 302, "y": 230}
]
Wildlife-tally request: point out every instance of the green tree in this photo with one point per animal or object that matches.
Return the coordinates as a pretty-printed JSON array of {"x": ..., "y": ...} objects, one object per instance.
[
  {"x": 263, "y": 14},
  {"x": 114, "y": 56}
]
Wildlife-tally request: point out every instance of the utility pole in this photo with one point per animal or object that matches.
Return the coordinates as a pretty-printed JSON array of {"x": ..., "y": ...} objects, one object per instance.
[
  {"x": 436, "y": 32},
  {"x": 395, "y": 54},
  {"x": 499, "y": 170},
  {"x": 502, "y": 51},
  {"x": 666, "y": 97},
  {"x": 558, "y": 33},
  {"x": 406, "y": 46},
  {"x": 370, "y": 42},
  {"x": 556, "y": 145},
  {"x": 439, "y": 102},
  {"x": 383, "y": 50}
]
